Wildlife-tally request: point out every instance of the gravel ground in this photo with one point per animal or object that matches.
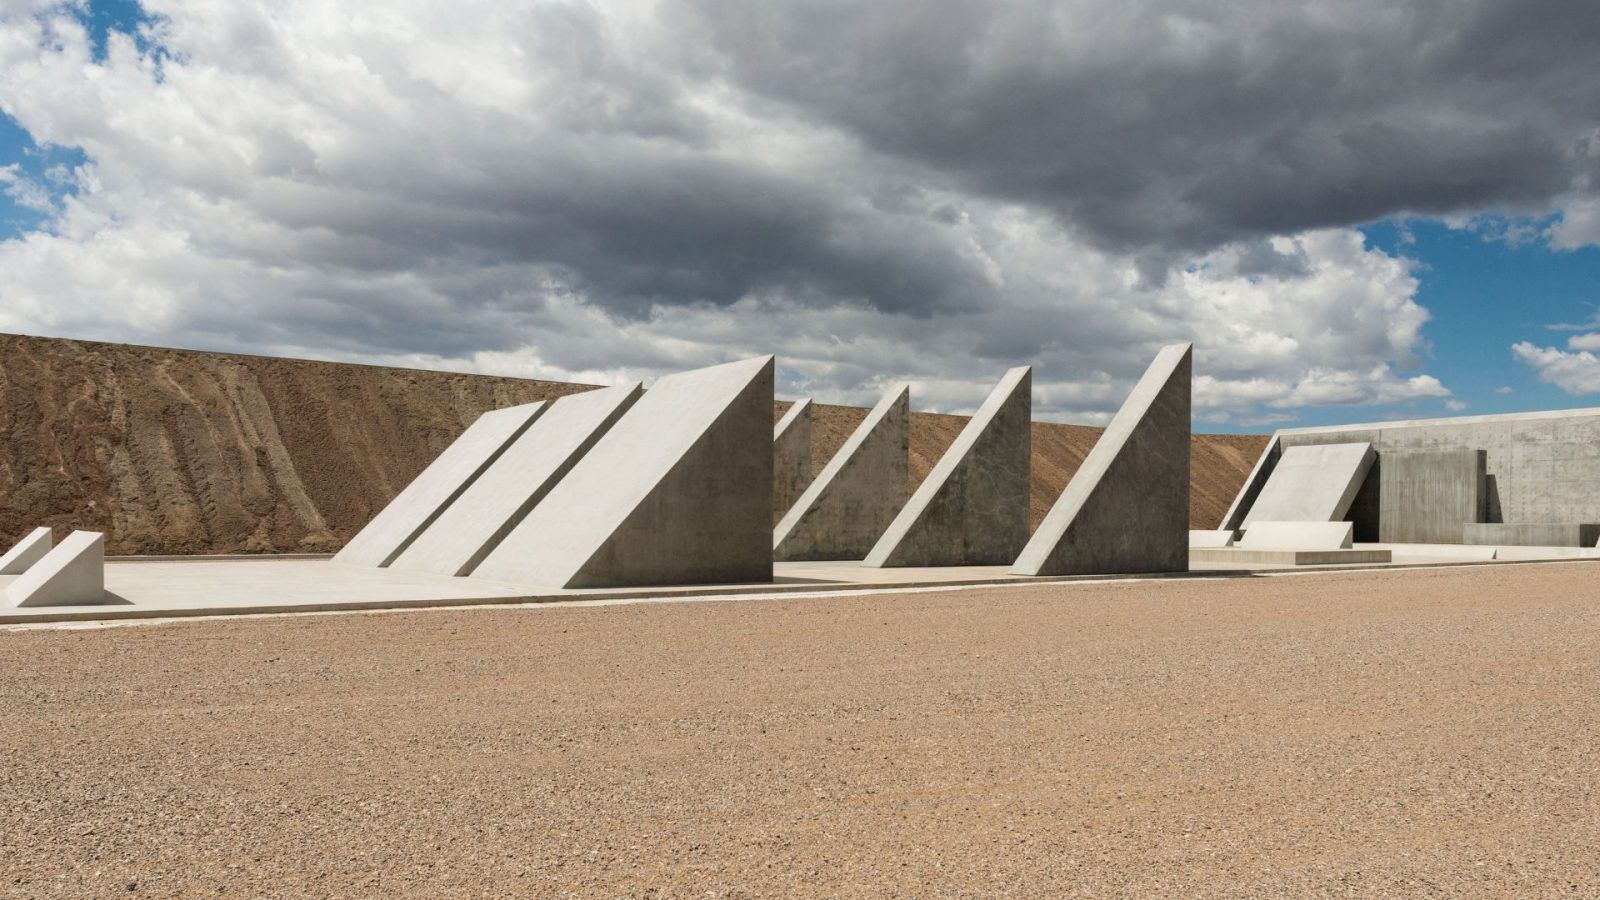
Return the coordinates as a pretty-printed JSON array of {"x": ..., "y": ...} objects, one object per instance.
[{"x": 1424, "y": 732}]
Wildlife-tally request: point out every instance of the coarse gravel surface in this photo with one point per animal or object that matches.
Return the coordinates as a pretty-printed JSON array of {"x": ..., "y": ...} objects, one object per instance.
[{"x": 1426, "y": 732}]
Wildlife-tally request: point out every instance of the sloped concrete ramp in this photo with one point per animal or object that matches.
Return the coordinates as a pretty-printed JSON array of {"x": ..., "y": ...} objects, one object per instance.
[
  {"x": 678, "y": 491},
  {"x": 1313, "y": 483},
  {"x": 73, "y": 573},
  {"x": 1127, "y": 508},
  {"x": 27, "y": 551}
]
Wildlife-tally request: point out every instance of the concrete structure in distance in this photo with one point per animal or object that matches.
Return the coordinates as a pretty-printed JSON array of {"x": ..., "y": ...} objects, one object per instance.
[
  {"x": 498, "y": 500},
  {"x": 791, "y": 456},
  {"x": 1313, "y": 484},
  {"x": 972, "y": 509},
  {"x": 1126, "y": 509},
  {"x": 395, "y": 526},
  {"x": 844, "y": 511},
  {"x": 26, "y": 552},
  {"x": 678, "y": 491},
  {"x": 73, "y": 573}
]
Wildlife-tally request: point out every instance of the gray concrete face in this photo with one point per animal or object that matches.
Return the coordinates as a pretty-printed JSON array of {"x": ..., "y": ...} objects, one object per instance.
[
  {"x": 972, "y": 509},
  {"x": 1126, "y": 509},
  {"x": 73, "y": 573},
  {"x": 1539, "y": 467},
  {"x": 679, "y": 491},
  {"x": 395, "y": 526},
  {"x": 471, "y": 527},
  {"x": 1425, "y": 496},
  {"x": 846, "y": 509},
  {"x": 1543, "y": 534},
  {"x": 27, "y": 551},
  {"x": 1313, "y": 484},
  {"x": 791, "y": 457}
]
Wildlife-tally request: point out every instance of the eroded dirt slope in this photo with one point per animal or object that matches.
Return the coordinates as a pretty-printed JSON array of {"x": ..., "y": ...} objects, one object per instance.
[{"x": 176, "y": 451}]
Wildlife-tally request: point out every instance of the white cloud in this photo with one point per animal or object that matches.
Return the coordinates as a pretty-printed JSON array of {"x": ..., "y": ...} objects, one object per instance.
[
  {"x": 1590, "y": 341},
  {"x": 1503, "y": 389},
  {"x": 565, "y": 191},
  {"x": 1456, "y": 405},
  {"x": 1576, "y": 373}
]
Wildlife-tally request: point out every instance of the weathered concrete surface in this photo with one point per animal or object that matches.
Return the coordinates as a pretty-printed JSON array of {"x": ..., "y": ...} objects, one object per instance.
[
  {"x": 844, "y": 511},
  {"x": 1539, "y": 467},
  {"x": 496, "y": 502},
  {"x": 1531, "y": 534},
  {"x": 73, "y": 573},
  {"x": 1127, "y": 508},
  {"x": 1263, "y": 556},
  {"x": 1313, "y": 484},
  {"x": 1426, "y": 496},
  {"x": 1298, "y": 536},
  {"x": 27, "y": 551},
  {"x": 1223, "y": 537},
  {"x": 393, "y": 529},
  {"x": 972, "y": 509},
  {"x": 679, "y": 491},
  {"x": 791, "y": 457}
]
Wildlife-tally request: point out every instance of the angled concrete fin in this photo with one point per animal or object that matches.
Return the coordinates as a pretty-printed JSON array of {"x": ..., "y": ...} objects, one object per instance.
[
  {"x": 27, "y": 551},
  {"x": 791, "y": 456},
  {"x": 73, "y": 573},
  {"x": 679, "y": 491},
  {"x": 1127, "y": 507},
  {"x": 395, "y": 526},
  {"x": 1312, "y": 483},
  {"x": 471, "y": 527},
  {"x": 842, "y": 513},
  {"x": 972, "y": 509}
]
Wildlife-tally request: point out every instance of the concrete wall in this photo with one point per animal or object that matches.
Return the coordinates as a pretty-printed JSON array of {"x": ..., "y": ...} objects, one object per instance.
[
  {"x": 1570, "y": 534},
  {"x": 791, "y": 457},
  {"x": 1538, "y": 467},
  {"x": 1425, "y": 496}
]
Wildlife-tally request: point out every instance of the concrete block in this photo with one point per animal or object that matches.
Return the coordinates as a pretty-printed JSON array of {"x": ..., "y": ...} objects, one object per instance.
[
  {"x": 972, "y": 509},
  {"x": 847, "y": 508},
  {"x": 27, "y": 551},
  {"x": 73, "y": 573},
  {"x": 1425, "y": 496},
  {"x": 1312, "y": 484},
  {"x": 791, "y": 457},
  {"x": 498, "y": 500},
  {"x": 1298, "y": 536},
  {"x": 1126, "y": 509},
  {"x": 393, "y": 529},
  {"x": 1241, "y": 556},
  {"x": 1530, "y": 534},
  {"x": 678, "y": 491},
  {"x": 1223, "y": 537}
]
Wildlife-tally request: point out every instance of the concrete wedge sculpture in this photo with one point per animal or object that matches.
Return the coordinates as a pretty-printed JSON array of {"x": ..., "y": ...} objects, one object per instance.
[
  {"x": 26, "y": 552},
  {"x": 73, "y": 573},
  {"x": 791, "y": 456}
]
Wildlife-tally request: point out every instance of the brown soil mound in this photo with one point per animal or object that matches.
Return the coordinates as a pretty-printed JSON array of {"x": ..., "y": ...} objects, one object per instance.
[{"x": 177, "y": 451}]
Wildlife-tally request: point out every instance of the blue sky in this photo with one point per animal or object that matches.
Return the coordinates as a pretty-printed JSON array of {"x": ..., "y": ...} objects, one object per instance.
[{"x": 932, "y": 193}]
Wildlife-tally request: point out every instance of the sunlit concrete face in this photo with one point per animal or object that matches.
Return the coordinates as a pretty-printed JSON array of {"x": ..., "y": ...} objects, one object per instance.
[
  {"x": 32, "y": 548},
  {"x": 71, "y": 574}
]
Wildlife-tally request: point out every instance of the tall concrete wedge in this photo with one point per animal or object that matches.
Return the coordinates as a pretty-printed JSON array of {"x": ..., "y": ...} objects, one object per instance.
[
  {"x": 395, "y": 526},
  {"x": 972, "y": 509},
  {"x": 845, "y": 510},
  {"x": 791, "y": 456},
  {"x": 678, "y": 491},
  {"x": 26, "y": 552},
  {"x": 73, "y": 573},
  {"x": 1126, "y": 509},
  {"x": 494, "y": 504}
]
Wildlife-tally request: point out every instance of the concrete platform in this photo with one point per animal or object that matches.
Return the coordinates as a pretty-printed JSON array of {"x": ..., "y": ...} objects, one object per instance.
[{"x": 1246, "y": 557}]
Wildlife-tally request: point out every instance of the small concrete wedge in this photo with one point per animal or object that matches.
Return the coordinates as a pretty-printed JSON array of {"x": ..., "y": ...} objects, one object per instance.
[
  {"x": 846, "y": 509},
  {"x": 679, "y": 491},
  {"x": 972, "y": 509},
  {"x": 26, "y": 552},
  {"x": 1126, "y": 509},
  {"x": 470, "y": 528},
  {"x": 73, "y": 573},
  {"x": 791, "y": 456},
  {"x": 395, "y": 526}
]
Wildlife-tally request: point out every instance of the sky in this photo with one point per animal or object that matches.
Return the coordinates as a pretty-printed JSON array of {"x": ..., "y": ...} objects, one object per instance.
[{"x": 1357, "y": 211}]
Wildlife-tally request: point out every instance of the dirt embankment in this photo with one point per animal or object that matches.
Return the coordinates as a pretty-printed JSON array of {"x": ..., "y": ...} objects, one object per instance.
[{"x": 175, "y": 451}]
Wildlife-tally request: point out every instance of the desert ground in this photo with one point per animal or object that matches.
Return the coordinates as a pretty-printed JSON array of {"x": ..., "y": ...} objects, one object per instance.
[{"x": 1412, "y": 732}]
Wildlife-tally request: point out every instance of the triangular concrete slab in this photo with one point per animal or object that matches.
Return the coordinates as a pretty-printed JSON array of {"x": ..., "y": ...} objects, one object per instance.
[
  {"x": 845, "y": 510},
  {"x": 26, "y": 552},
  {"x": 1313, "y": 483},
  {"x": 791, "y": 456},
  {"x": 1126, "y": 509},
  {"x": 494, "y": 504},
  {"x": 395, "y": 526},
  {"x": 972, "y": 509},
  {"x": 679, "y": 491},
  {"x": 73, "y": 573}
]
